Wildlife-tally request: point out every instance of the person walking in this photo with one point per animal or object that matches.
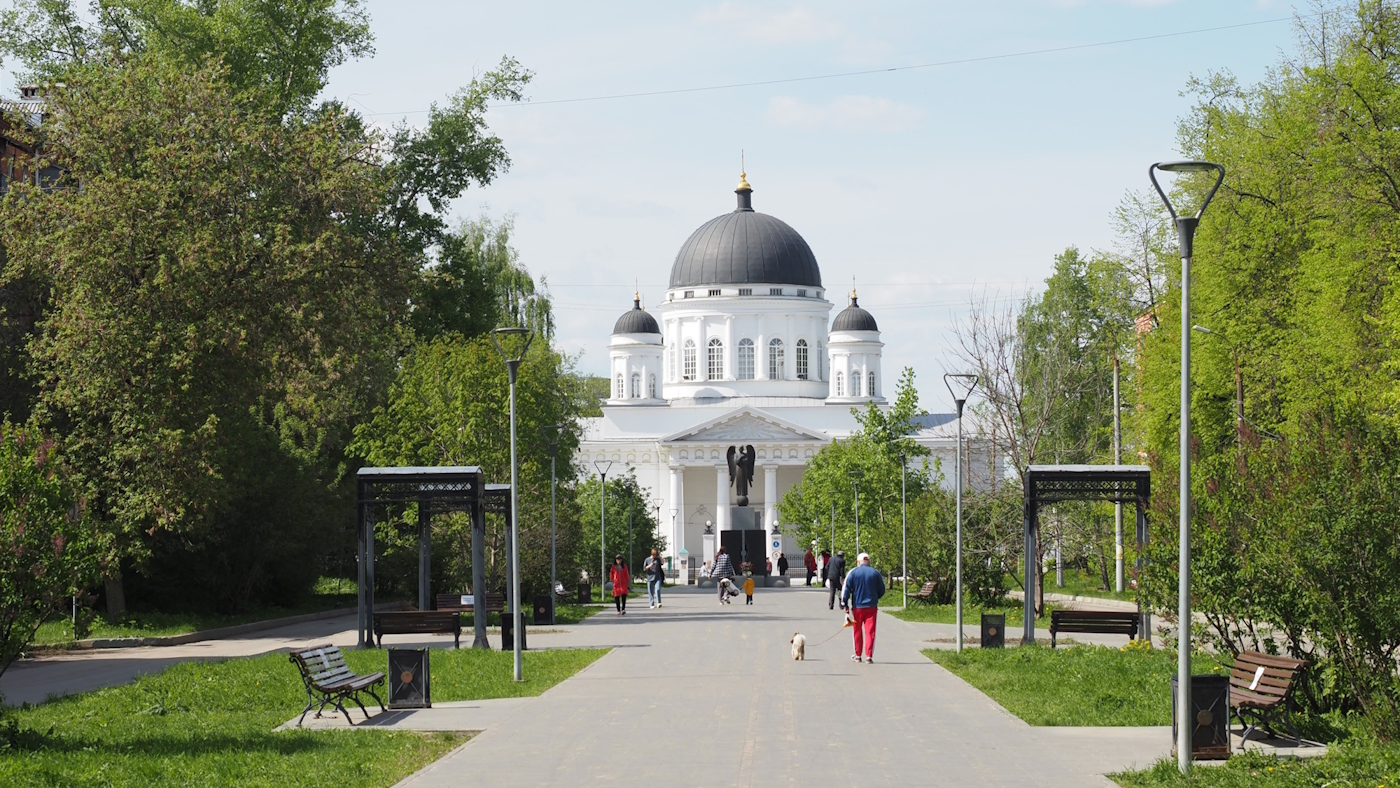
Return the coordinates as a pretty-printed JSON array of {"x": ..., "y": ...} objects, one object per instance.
[
  {"x": 621, "y": 581},
  {"x": 782, "y": 564},
  {"x": 864, "y": 587},
  {"x": 835, "y": 576},
  {"x": 810, "y": 561},
  {"x": 748, "y": 590},
  {"x": 722, "y": 570},
  {"x": 656, "y": 577}
]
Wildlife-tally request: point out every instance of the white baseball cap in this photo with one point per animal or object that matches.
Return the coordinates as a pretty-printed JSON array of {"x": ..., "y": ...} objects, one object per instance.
[{"x": 862, "y": 558}]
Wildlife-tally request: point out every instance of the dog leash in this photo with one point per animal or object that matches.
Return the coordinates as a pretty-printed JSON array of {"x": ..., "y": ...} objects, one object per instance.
[{"x": 833, "y": 637}]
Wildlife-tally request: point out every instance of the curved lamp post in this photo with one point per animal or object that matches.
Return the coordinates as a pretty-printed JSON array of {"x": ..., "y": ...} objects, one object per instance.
[
  {"x": 856, "y": 475},
  {"x": 551, "y": 433},
  {"x": 602, "y": 466},
  {"x": 519, "y": 339},
  {"x": 1186, "y": 233},
  {"x": 960, "y": 385}
]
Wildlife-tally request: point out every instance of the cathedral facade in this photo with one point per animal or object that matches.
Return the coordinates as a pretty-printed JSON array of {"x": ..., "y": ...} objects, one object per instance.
[{"x": 740, "y": 354}]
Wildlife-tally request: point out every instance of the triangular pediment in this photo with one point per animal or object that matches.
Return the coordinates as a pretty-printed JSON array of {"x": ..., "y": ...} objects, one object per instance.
[{"x": 747, "y": 425}]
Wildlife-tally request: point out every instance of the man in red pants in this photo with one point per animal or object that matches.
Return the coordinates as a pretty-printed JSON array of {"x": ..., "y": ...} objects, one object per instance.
[{"x": 864, "y": 587}]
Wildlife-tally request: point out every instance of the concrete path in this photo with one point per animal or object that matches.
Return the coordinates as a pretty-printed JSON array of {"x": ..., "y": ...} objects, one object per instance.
[{"x": 697, "y": 693}]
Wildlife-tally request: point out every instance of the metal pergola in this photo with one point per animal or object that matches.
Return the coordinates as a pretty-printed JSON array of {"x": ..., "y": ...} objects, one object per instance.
[
  {"x": 1056, "y": 483},
  {"x": 436, "y": 490}
]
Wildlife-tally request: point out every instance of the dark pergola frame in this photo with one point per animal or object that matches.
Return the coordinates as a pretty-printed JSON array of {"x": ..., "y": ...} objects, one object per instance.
[
  {"x": 1046, "y": 484},
  {"x": 436, "y": 490}
]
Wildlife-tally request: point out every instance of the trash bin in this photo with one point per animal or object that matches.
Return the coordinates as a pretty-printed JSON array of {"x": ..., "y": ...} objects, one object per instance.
[
  {"x": 507, "y": 628},
  {"x": 544, "y": 609},
  {"x": 585, "y": 593},
  {"x": 408, "y": 679},
  {"x": 1210, "y": 717},
  {"x": 993, "y": 630}
]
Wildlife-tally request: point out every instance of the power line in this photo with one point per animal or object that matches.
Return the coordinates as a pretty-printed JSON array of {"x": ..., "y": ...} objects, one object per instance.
[{"x": 867, "y": 72}]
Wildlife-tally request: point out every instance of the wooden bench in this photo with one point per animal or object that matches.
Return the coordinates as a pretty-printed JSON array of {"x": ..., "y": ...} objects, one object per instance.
[
  {"x": 926, "y": 593},
  {"x": 1101, "y": 622},
  {"x": 330, "y": 681},
  {"x": 1261, "y": 690},
  {"x": 418, "y": 622},
  {"x": 495, "y": 603}
]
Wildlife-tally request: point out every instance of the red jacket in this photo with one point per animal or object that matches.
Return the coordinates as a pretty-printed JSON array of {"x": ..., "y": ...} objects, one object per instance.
[
  {"x": 811, "y": 561},
  {"x": 621, "y": 579}
]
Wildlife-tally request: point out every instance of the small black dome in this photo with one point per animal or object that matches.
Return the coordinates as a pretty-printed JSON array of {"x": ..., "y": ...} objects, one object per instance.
[
  {"x": 853, "y": 318},
  {"x": 745, "y": 247},
  {"x": 636, "y": 321}
]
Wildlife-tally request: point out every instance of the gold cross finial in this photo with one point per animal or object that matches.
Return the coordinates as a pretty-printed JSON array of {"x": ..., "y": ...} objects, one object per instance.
[{"x": 743, "y": 176}]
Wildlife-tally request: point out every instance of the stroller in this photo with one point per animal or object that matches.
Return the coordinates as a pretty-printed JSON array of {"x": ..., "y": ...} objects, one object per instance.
[{"x": 730, "y": 589}]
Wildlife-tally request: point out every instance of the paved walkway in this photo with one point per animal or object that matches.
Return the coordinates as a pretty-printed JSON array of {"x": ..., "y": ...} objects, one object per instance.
[{"x": 696, "y": 693}]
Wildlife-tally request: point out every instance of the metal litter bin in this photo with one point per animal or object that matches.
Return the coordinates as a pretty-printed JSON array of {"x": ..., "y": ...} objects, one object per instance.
[
  {"x": 409, "y": 686},
  {"x": 1210, "y": 717},
  {"x": 507, "y": 630}
]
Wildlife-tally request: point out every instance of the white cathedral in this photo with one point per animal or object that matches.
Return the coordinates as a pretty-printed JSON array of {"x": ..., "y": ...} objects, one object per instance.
[{"x": 740, "y": 353}]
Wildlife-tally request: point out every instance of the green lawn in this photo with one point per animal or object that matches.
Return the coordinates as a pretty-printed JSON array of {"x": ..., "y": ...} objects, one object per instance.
[
  {"x": 211, "y": 724},
  {"x": 1350, "y": 763},
  {"x": 1077, "y": 685},
  {"x": 1079, "y": 583},
  {"x": 972, "y": 614},
  {"x": 139, "y": 624}
]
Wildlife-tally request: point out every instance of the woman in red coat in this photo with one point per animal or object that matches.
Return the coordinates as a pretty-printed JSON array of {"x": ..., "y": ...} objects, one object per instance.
[{"x": 621, "y": 581}]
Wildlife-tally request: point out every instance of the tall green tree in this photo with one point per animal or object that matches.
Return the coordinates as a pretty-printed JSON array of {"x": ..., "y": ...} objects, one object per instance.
[{"x": 632, "y": 528}]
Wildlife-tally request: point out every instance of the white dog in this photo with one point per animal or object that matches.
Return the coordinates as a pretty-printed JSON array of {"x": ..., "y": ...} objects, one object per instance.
[{"x": 799, "y": 646}]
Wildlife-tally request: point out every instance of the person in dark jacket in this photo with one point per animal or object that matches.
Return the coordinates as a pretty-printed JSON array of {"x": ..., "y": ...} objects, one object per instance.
[
  {"x": 656, "y": 577},
  {"x": 723, "y": 570},
  {"x": 863, "y": 590},
  {"x": 810, "y": 561},
  {"x": 782, "y": 565},
  {"x": 835, "y": 576}
]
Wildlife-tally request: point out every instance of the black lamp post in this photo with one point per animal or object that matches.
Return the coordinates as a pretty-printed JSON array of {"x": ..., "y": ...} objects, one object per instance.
[
  {"x": 602, "y": 466},
  {"x": 1186, "y": 233},
  {"x": 551, "y": 432},
  {"x": 856, "y": 475},
  {"x": 520, "y": 339},
  {"x": 960, "y": 385}
]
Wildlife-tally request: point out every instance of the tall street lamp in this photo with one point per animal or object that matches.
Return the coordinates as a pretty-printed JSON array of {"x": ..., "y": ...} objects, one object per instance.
[
  {"x": 1186, "y": 233},
  {"x": 519, "y": 339},
  {"x": 856, "y": 475},
  {"x": 1239, "y": 379},
  {"x": 960, "y": 385},
  {"x": 904, "y": 530},
  {"x": 551, "y": 433},
  {"x": 602, "y": 466}
]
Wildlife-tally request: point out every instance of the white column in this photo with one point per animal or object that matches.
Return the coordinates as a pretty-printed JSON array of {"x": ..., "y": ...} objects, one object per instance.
[
  {"x": 770, "y": 496},
  {"x": 731, "y": 355},
  {"x": 721, "y": 498},
  {"x": 678, "y": 521},
  {"x": 790, "y": 354}
]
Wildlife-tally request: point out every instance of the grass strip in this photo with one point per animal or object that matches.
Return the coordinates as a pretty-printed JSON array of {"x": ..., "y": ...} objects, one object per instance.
[
  {"x": 1358, "y": 761},
  {"x": 1077, "y": 685},
  {"x": 972, "y": 614},
  {"x": 211, "y": 723}
]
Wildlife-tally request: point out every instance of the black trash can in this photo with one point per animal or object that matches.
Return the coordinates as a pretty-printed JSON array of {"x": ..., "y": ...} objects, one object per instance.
[
  {"x": 1210, "y": 717},
  {"x": 544, "y": 609},
  {"x": 585, "y": 593},
  {"x": 993, "y": 630},
  {"x": 408, "y": 679},
  {"x": 507, "y": 630}
]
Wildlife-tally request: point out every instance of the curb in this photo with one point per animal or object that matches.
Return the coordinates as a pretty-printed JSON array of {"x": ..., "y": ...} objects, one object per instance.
[{"x": 219, "y": 633}]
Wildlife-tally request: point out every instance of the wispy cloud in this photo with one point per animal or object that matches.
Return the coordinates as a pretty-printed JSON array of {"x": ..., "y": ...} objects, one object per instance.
[
  {"x": 845, "y": 113},
  {"x": 795, "y": 25}
]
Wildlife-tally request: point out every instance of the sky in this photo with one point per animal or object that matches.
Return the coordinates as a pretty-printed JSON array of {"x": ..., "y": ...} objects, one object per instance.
[{"x": 929, "y": 186}]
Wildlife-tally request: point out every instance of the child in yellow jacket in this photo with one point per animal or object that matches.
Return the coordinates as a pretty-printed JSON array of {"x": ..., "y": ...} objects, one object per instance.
[{"x": 748, "y": 590}]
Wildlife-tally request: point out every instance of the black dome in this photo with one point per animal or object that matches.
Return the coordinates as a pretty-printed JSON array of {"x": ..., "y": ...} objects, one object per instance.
[
  {"x": 636, "y": 321},
  {"x": 745, "y": 247},
  {"x": 853, "y": 318}
]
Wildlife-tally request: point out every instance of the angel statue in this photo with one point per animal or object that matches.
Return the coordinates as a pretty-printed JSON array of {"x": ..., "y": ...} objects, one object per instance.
[{"x": 741, "y": 471}]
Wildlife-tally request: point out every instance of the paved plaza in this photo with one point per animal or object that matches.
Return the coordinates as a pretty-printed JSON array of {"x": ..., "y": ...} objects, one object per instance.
[{"x": 697, "y": 693}]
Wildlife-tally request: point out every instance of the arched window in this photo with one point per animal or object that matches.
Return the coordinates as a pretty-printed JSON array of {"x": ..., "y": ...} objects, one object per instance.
[
  {"x": 688, "y": 363},
  {"x": 821, "y": 361},
  {"x": 775, "y": 359},
  {"x": 870, "y": 383},
  {"x": 651, "y": 386},
  {"x": 636, "y": 385},
  {"x": 746, "y": 359},
  {"x": 840, "y": 390},
  {"x": 801, "y": 359},
  {"x": 716, "y": 359},
  {"x": 617, "y": 387},
  {"x": 671, "y": 358},
  {"x": 855, "y": 383}
]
